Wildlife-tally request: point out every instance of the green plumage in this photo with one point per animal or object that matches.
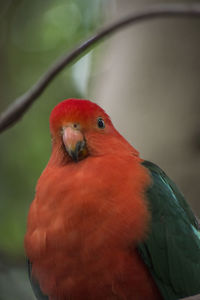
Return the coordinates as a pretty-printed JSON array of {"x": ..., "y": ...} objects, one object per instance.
[{"x": 172, "y": 249}]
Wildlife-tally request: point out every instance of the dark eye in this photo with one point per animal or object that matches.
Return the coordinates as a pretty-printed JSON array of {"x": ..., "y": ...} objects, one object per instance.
[{"x": 100, "y": 123}]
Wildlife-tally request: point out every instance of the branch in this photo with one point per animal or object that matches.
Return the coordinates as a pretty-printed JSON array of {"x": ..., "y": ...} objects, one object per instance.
[
  {"x": 16, "y": 110},
  {"x": 196, "y": 297}
]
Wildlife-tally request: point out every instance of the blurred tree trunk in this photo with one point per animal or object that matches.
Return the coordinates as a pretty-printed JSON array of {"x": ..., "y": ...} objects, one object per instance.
[{"x": 148, "y": 82}]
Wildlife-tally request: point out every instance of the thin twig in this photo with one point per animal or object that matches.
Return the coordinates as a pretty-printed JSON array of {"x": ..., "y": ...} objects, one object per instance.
[
  {"x": 16, "y": 110},
  {"x": 196, "y": 297}
]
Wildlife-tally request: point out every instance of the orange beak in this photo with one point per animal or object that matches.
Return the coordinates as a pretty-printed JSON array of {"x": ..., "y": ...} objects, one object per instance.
[{"x": 75, "y": 143}]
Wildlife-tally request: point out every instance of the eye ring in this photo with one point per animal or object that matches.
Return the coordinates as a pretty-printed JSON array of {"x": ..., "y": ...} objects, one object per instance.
[{"x": 100, "y": 123}]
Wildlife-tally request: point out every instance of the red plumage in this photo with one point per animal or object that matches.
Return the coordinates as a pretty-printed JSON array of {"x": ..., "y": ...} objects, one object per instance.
[{"x": 88, "y": 216}]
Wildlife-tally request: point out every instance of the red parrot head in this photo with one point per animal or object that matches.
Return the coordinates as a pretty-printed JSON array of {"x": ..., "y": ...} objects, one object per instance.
[{"x": 81, "y": 128}]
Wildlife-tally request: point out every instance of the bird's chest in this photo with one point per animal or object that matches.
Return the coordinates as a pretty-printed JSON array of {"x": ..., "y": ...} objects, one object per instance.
[
  {"x": 86, "y": 210},
  {"x": 84, "y": 232}
]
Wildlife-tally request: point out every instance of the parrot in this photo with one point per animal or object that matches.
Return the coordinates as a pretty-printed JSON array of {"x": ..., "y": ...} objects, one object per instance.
[{"x": 105, "y": 223}]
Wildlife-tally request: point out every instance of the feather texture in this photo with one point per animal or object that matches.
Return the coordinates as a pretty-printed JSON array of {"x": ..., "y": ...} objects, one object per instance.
[
  {"x": 172, "y": 249},
  {"x": 108, "y": 226}
]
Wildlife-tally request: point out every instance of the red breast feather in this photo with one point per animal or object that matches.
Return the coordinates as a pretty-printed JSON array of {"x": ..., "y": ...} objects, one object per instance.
[{"x": 85, "y": 222}]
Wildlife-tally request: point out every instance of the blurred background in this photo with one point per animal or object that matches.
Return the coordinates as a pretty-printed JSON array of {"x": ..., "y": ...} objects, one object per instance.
[{"x": 147, "y": 78}]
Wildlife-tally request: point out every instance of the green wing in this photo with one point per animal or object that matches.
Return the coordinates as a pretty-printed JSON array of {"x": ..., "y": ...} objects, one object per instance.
[{"x": 172, "y": 248}]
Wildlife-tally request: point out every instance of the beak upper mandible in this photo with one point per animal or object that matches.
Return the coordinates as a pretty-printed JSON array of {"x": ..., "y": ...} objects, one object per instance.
[{"x": 74, "y": 142}]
